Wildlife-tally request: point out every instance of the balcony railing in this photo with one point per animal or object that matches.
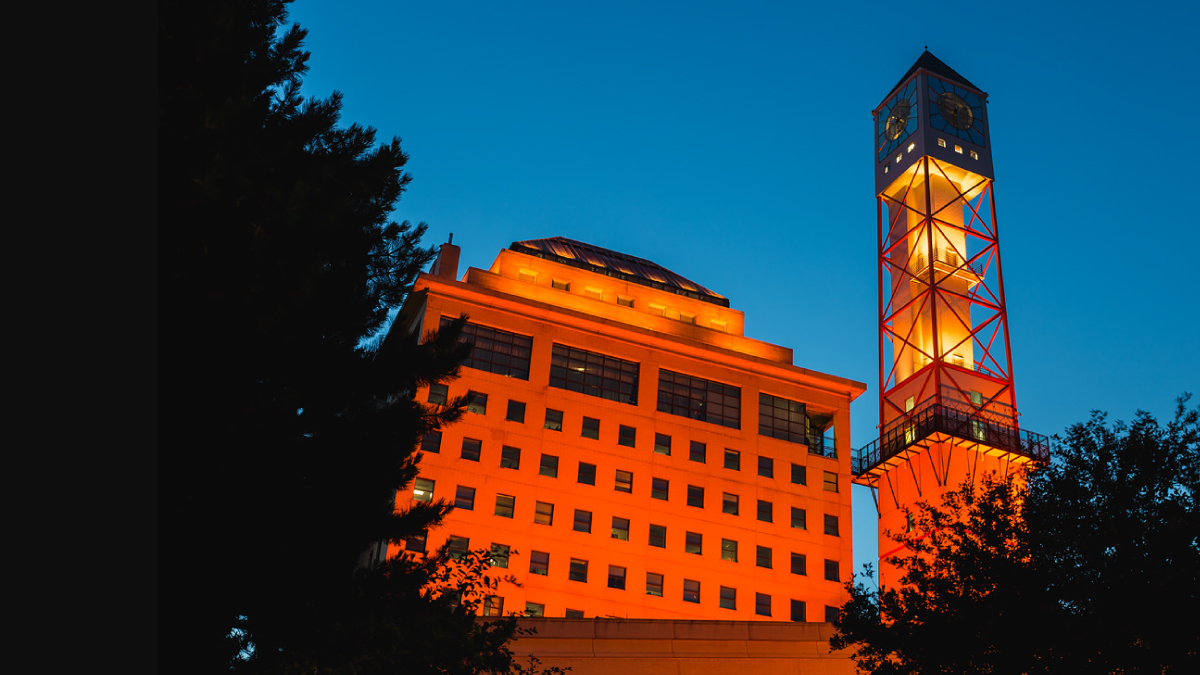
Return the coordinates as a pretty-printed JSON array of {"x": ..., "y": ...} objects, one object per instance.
[{"x": 822, "y": 445}]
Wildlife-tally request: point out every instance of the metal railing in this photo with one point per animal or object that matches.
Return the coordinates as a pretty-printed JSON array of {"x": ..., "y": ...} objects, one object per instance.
[{"x": 821, "y": 445}]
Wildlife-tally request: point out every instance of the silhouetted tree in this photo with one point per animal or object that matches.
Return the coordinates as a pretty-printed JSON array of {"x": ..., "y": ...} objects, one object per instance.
[{"x": 1079, "y": 567}]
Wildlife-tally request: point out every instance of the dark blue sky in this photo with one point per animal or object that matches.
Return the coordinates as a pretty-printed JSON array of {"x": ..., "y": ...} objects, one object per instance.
[{"x": 732, "y": 143}]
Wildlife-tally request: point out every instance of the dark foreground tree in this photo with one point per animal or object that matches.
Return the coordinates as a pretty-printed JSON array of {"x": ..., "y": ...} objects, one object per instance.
[{"x": 1084, "y": 568}]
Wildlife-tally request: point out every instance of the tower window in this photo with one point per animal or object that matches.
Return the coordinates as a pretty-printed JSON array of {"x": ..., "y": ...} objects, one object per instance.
[
  {"x": 549, "y": 466},
  {"x": 438, "y": 393},
  {"x": 624, "y": 482},
  {"x": 587, "y": 474},
  {"x": 691, "y": 591},
  {"x": 510, "y": 457},
  {"x": 974, "y": 155},
  {"x": 766, "y": 467},
  {"x": 583, "y": 521},
  {"x": 539, "y": 563},
  {"x": 693, "y": 542},
  {"x": 831, "y": 570},
  {"x": 616, "y": 577},
  {"x": 799, "y": 564},
  {"x": 544, "y": 514},
  {"x": 729, "y": 504},
  {"x": 578, "y": 570},
  {"x": 695, "y": 496},
  {"x": 941, "y": 142},
  {"x": 699, "y": 399},
  {"x": 553, "y": 420},
  {"x": 471, "y": 448},
  {"x": 591, "y": 428},
  {"x": 831, "y": 525},
  {"x": 958, "y": 149},
  {"x": 423, "y": 490},
  {"x": 431, "y": 442},
  {"x": 728, "y": 597},
  {"x": 697, "y": 452},
  {"x": 797, "y": 610},
  {"x": 733, "y": 459},
  {"x": 620, "y": 528},
  {"x": 516, "y": 412},
  {"x": 654, "y": 584},
  {"x": 662, "y": 444},
  {"x": 762, "y": 604},
  {"x": 499, "y": 555},
  {"x": 729, "y": 550},
  {"x": 762, "y": 557},
  {"x": 505, "y": 505},
  {"x": 659, "y": 488},
  {"x": 799, "y": 518},
  {"x": 627, "y": 436},
  {"x": 593, "y": 374},
  {"x": 658, "y": 536}
]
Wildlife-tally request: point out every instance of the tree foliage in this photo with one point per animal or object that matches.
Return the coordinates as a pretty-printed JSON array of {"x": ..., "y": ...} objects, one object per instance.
[{"x": 1083, "y": 566}]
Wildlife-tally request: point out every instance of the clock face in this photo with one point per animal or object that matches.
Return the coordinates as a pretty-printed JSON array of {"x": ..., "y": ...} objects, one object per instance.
[
  {"x": 897, "y": 121},
  {"x": 956, "y": 111}
]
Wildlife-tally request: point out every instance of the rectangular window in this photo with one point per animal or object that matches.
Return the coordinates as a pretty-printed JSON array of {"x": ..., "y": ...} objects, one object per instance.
[
  {"x": 831, "y": 613},
  {"x": 800, "y": 564},
  {"x": 573, "y": 613},
  {"x": 477, "y": 403},
  {"x": 591, "y": 428},
  {"x": 659, "y": 488},
  {"x": 499, "y": 556},
  {"x": 762, "y": 557},
  {"x": 464, "y": 498},
  {"x": 831, "y": 482},
  {"x": 535, "y": 609},
  {"x": 729, "y": 550},
  {"x": 423, "y": 490},
  {"x": 578, "y": 570},
  {"x": 587, "y": 474},
  {"x": 662, "y": 444},
  {"x": 620, "y": 528},
  {"x": 799, "y": 475},
  {"x": 697, "y": 452},
  {"x": 728, "y": 597},
  {"x": 766, "y": 467},
  {"x": 493, "y": 605},
  {"x": 431, "y": 442},
  {"x": 658, "y": 536},
  {"x": 781, "y": 418},
  {"x": 687, "y": 318},
  {"x": 729, "y": 504},
  {"x": 733, "y": 459},
  {"x": 457, "y": 547},
  {"x": 654, "y": 584},
  {"x": 799, "y": 518},
  {"x": 594, "y": 374},
  {"x": 539, "y": 563},
  {"x": 616, "y": 577},
  {"x": 544, "y": 514},
  {"x": 624, "y": 301},
  {"x": 693, "y": 542},
  {"x": 510, "y": 457},
  {"x": 548, "y": 466},
  {"x": 695, "y": 496},
  {"x": 691, "y": 591},
  {"x": 797, "y": 613},
  {"x": 624, "y": 481},
  {"x": 762, "y": 604},
  {"x": 438, "y": 393},
  {"x": 496, "y": 351},
  {"x": 831, "y": 525},
  {"x": 766, "y": 511},
  {"x": 516, "y": 412},
  {"x": 505, "y": 504},
  {"x": 831, "y": 570},
  {"x": 471, "y": 448},
  {"x": 699, "y": 399},
  {"x": 553, "y": 420},
  {"x": 627, "y": 436},
  {"x": 583, "y": 521},
  {"x": 415, "y": 543}
]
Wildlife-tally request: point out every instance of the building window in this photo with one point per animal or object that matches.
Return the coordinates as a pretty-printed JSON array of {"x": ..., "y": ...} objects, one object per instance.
[
  {"x": 799, "y": 475},
  {"x": 800, "y": 564},
  {"x": 699, "y": 399},
  {"x": 414, "y": 543},
  {"x": 423, "y": 490},
  {"x": 693, "y": 542},
  {"x": 499, "y": 556},
  {"x": 909, "y": 523},
  {"x": 831, "y": 613},
  {"x": 573, "y": 613},
  {"x": 659, "y": 488},
  {"x": 831, "y": 482},
  {"x": 539, "y": 563},
  {"x": 560, "y": 285},
  {"x": 762, "y": 604},
  {"x": 624, "y": 301},
  {"x": 729, "y": 550},
  {"x": 958, "y": 149},
  {"x": 544, "y": 514},
  {"x": 438, "y": 393},
  {"x": 695, "y": 496},
  {"x": 766, "y": 511},
  {"x": 687, "y": 318},
  {"x": 477, "y": 403},
  {"x": 591, "y": 428},
  {"x": 583, "y": 521},
  {"x": 658, "y": 536},
  {"x": 431, "y": 442},
  {"x": 691, "y": 591},
  {"x": 616, "y": 577},
  {"x": 578, "y": 570},
  {"x": 781, "y": 418},
  {"x": 587, "y": 474},
  {"x": 766, "y": 467},
  {"x": 831, "y": 525},
  {"x": 624, "y": 481},
  {"x": 974, "y": 155},
  {"x": 535, "y": 609},
  {"x": 493, "y": 605},
  {"x": 797, "y": 613},
  {"x": 510, "y": 457},
  {"x": 548, "y": 466},
  {"x": 799, "y": 518},
  {"x": 662, "y": 444},
  {"x": 658, "y": 310},
  {"x": 831, "y": 570},
  {"x": 594, "y": 374},
  {"x": 505, "y": 504},
  {"x": 471, "y": 448},
  {"x": 516, "y": 412},
  {"x": 626, "y": 436},
  {"x": 464, "y": 498},
  {"x": 733, "y": 459},
  {"x": 620, "y": 528},
  {"x": 728, "y": 597},
  {"x": 497, "y": 351},
  {"x": 941, "y": 142},
  {"x": 729, "y": 504},
  {"x": 457, "y": 547},
  {"x": 593, "y": 293},
  {"x": 762, "y": 557},
  {"x": 654, "y": 584},
  {"x": 697, "y": 452},
  {"x": 553, "y": 420}
]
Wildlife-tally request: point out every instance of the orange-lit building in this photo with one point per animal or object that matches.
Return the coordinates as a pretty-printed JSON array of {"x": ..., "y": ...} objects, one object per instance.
[{"x": 630, "y": 452}]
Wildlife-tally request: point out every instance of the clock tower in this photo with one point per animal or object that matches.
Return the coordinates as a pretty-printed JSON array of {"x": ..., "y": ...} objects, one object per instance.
[{"x": 947, "y": 402}]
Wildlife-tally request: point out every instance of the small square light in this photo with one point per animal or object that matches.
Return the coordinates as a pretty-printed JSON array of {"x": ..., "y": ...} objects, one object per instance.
[
  {"x": 974, "y": 155},
  {"x": 911, "y": 146},
  {"x": 958, "y": 149},
  {"x": 941, "y": 142}
]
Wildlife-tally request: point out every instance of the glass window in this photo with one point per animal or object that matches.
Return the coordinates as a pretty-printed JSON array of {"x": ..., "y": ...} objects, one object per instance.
[
  {"x": 499, "y": 556},
  {"x": 423, "y": 490},
  {"x": 697, "y": 452},
  {"x": 471, "y": 448},
  {"x": 587, "y": 473},
  {"x": 624, "y": 481},
  {"x": 728, "y": 597},
  {"x": 516, "y": 412},
  {"x": 548, "y": 466},
  {"x": 627, "y": 436},
  {"x": 695, "y": 496},
  {"x": 654, "y": 584},
  {"x": 662, "y": 444},
  {"x": 831, "y": 482},
  {"x": 593, "y": 374},
  {"x": 591, "y": 428},
  {"x": 415, "y": 543},
  {"x": 438, "y": 393},
  {"x": 693, "y": 543},
  {"x": 781, "y": 418},
  {"x": 493, "y": 605},
  {"x": 799, "y": 475},
  {"x": 799, "y": 519},
  {"x": 831, "y": 570},
  {"x": 831, "y": 613},
  {"x": 535, "y": 609},
  {"x": 510, "y": 457},
  {"x": 431, "y": 442},
  {"x": 553, "y": 420},
  {"x": 797, "y": 613},
  {"x": 729, "y": 550},
  {"x": 762, "y": 557},
  {"x": 544, "y": 514},
  {"x": 766, "y": 511},
  {"x": 496, "y": 351},
  {"x": 505, "y": 505},
  {"x": 583, "y": 521},
  {"x": 539, "y": 563},
  {"x": 699, "y": 399},
  {"x": 578, "y": 570},
  {"x": 766, "y": 467},
  {"x": 691, "y": 591},
  {"x": 464, "y": 498},
  {"x": 457, "y": 547},
  {"x": 831, "y": 525},
  {"x": 800, "y": 564},
  {"x": 733, "y": 459},
  {"x": 729, "y": 504},
  {"x": 574, "y": 613},
  {"x": 762, "y": 604},
  {"x": 616, "y": 577},
  {"x": 620, "y": 528},
  {"x": 477, "y": 403},
  {"x": 659, "y": 488},
  {"x": 658, "y": 536}
]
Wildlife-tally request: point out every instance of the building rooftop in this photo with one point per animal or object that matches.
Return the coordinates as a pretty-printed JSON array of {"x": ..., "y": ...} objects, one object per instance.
[{"x": 934, "y": 65}]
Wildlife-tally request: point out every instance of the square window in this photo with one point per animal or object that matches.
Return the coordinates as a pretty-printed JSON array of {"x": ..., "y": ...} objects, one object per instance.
[
  {"x": 578, "y": 570},
  {"x": 831, "y": 481},
  {"x": 431, "y": 442},
  {"x": 695, "y": 496},
  {"x": 658, "y": 536},
  {"x": 616, "y": 577},
  {"x": 799, "y": 518},
  {"x": 831, "y": 525},
  {"x": 974, "y": 155},
  {"x": 574, "y": 613},
  {"x": 729, "y": 504},
  {"x": 620, "y": 528},
  {"x": 415, "y": 543},
  {"x": 800, "y": 564},
  {"x": 662, "y": 444},
  {"x": 624, "y": 481},
  {"x": 535, "y": 609},
  {"x": 626, "y": 436},
  {"x": 516, "y": 412},
  {"x": 548, "y": 466},
  {"x": 797, "y": 613},
  {"x": 423, "y": 490},
  {"x": 553, "y": 420},
  {"x": 583, "y": 521},
  {"x": 587, "y": 473},
  {"x": 654, "y": 584},
  {"x": 728, "y": 597},
  {"x": 510, "y": 457},
  {"x": 477, "y": 403},
  {"x": 766, "y": 467},
  {"x": 457, "y": 547},
  {"x": 464, "y": 498},
  {"x": 729, "y": 550},
  {"x": 693, "y": 542},
  {"x": 438, "y": 393},
  {"x": 762, "y": 557},
  {"x": 493, "y": 605},
  {"x": 499, "y": 556},
  {"x": 941, "y": 142},
  {"x": 831, "y": 613},
  {"x": 762, "y": 604},
  {"x": 471, "y": 448},
  {"x": 691, "y": 591},
  {"x": 544, "y": 514},
  {"x": 505, "y": 505},
  {"x": 766, "y": 511},
  {"x": 799, "y": 474},
  {"x": 958, "y": 149},
  {"x": 831, "y": 570},
  {"x": 539, "y": 563},
  {"x": 659, "y": 488},
  {"x": 591, "y": 428},
  {"x": 697, "y": 452},
  {"x": 733, "y": 459}
]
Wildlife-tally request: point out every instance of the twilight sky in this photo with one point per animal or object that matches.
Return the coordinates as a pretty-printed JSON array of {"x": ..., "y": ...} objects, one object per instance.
[{"x": 733, "y": 143}]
